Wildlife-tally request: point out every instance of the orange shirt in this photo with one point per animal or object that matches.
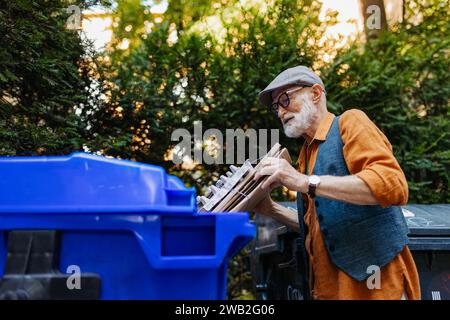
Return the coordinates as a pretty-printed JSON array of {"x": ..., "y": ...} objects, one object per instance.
[{"x": 368, "y": 155}]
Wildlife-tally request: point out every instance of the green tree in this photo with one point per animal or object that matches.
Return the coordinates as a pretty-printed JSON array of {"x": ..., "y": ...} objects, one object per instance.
[
  {"x": 402, "y": 81},
  {"x": 44, "y": 77},
  {"x": 213, "y": 75}
]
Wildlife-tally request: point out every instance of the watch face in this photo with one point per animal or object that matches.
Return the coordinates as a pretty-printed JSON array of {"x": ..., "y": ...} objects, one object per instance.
[{"x": 314, "y": 180}]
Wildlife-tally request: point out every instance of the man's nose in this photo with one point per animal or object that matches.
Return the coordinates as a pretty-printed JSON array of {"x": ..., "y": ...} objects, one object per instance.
[{"x": 281, "y": 112}]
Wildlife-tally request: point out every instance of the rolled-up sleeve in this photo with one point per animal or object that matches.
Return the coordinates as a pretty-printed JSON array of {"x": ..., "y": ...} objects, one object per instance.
[{"x": 368, "y": 155}]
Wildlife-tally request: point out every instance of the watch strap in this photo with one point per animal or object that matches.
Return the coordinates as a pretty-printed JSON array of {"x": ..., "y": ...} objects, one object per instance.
[{"x": 312, "y": 190}]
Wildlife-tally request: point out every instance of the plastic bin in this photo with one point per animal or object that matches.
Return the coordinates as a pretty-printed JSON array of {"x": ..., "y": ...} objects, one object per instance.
[
  {"x": 278, "y": 275},
  {"x": 123, "y": 230},
  {"x": 429, "y": 235}
]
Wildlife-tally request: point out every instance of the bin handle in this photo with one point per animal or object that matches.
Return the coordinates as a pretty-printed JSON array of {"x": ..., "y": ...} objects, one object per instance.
[{"x": 234, "y": 233}]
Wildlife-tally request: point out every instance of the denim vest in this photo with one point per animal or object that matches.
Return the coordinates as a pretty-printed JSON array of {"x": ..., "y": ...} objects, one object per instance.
[{"x": 356, "y": 236}]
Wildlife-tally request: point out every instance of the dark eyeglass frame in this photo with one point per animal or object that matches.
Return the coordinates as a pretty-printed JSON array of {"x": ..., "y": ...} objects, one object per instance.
[{"x": 276, "y": 105}]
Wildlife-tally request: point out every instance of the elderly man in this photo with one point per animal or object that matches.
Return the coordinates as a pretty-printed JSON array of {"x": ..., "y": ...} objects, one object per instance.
[{"x": 349, "y": 186}]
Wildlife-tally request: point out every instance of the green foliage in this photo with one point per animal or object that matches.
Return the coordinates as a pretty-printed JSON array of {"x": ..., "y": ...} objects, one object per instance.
[
  {"x": 42, "y": 79},
  {"x": 402, "y": 82},
  {"x": 212, "y": 74},
  {"x": 240, "y": 282}
]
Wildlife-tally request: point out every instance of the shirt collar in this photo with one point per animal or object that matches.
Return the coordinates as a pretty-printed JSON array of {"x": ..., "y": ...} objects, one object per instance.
[
  {"x": 321, "y": 133},
  {"x": 324, "y": 127}
]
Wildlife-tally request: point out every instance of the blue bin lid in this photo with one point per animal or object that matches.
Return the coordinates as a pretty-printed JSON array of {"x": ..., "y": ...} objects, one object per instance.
[{"x": 83, "y": 182}]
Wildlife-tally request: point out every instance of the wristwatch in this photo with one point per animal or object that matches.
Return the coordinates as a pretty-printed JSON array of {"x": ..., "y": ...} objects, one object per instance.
[{"x": 313, "y": 183}]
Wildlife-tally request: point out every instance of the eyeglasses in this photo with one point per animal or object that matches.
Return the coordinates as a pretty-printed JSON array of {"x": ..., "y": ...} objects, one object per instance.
[{"x": 283, "y": 100}]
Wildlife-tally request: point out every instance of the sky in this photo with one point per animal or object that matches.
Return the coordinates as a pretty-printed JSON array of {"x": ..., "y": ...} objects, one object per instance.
[{"x": 97, "y": 25}]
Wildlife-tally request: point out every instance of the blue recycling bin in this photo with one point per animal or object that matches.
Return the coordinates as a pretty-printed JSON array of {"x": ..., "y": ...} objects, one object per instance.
[{"x": 86, "y": 226}]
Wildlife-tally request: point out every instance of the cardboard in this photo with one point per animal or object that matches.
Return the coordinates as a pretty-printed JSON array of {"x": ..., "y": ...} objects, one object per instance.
[{"x": 238, "y": 191}]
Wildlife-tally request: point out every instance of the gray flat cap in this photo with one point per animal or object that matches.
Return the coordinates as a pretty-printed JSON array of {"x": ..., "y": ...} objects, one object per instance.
[{"x": 300, "y": 75}]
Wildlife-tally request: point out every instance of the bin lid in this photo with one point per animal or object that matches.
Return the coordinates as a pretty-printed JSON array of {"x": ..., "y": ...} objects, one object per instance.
[
  {"x": 428, "y": 219},
  {"x": 422, "y": 219},
  {"x": 83, "y": 182}
]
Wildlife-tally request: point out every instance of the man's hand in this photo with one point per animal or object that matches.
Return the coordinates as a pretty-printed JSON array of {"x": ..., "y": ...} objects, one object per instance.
[{"x": 281, "y": 173}]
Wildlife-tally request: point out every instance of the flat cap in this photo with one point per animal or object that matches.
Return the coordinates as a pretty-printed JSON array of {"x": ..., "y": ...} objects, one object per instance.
[{"x": 300, "y": 75}]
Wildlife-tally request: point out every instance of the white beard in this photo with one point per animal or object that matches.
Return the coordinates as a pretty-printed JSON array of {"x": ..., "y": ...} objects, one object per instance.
[{"x": 302, "y": 120}]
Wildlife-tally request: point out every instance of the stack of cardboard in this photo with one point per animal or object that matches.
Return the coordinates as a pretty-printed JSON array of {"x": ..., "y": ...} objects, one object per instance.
[{"x": 238, "y": 191}]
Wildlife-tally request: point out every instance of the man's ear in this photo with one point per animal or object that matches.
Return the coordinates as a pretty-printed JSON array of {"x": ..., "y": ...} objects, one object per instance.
[{"x": 316, "y": 92}]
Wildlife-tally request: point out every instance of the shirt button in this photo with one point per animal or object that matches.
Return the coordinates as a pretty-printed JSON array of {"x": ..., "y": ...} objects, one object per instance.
[
  {"x": 316, "y": 203},
  {"x": 325, "y": 231},
  {"x": 331, "y": 247},
  {"x": 320, "y": 216}
]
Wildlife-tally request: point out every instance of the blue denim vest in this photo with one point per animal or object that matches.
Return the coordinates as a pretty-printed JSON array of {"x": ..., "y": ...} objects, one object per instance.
[{"x": 356, "y": 236}]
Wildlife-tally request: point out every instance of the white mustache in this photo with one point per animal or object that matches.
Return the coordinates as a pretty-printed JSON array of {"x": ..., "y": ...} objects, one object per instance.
[{"x": 300, "y": 121}]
